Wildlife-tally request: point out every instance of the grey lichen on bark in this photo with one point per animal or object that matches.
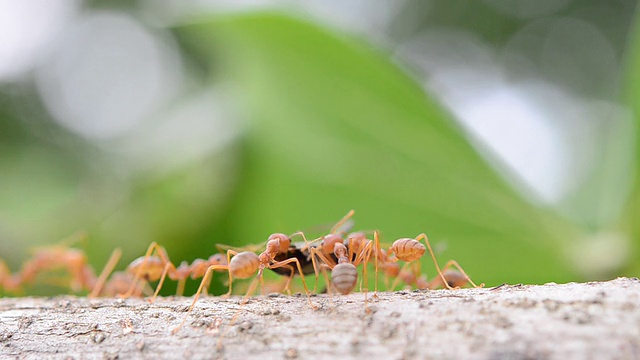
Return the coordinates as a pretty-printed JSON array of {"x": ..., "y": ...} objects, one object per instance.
[{"x": 577, "y": 320}]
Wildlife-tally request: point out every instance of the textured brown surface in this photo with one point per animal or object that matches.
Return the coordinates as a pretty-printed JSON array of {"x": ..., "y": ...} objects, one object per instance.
[{"x": 588, "y": 321}]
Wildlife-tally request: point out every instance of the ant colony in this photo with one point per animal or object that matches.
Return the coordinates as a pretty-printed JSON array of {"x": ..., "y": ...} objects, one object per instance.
[{"x": 335, "y": 256}]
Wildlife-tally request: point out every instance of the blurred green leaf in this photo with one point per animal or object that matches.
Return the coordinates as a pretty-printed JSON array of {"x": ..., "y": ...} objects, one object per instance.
[{"x": 337, "y": 126}]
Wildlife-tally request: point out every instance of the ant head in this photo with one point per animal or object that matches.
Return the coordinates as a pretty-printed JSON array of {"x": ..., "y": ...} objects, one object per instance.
[
  {"x": 283, "y": 242},
  {"x": 329, "y": 241},
  {"x": 340, "y": 251},
  {"x": 217, "y": 259}
]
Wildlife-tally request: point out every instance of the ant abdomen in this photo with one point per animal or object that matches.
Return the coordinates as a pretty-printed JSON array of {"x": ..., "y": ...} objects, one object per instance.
[
  {"x": 344, "y": 277},
  {"x": 119, "y": 283},
  {"x": 244, "y": 265},
  {"x": 408, "y": 249},
  {"x": 152, "y": 268}
]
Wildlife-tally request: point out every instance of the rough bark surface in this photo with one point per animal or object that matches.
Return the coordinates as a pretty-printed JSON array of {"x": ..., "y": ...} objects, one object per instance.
[{"x": 595, "y": 320}]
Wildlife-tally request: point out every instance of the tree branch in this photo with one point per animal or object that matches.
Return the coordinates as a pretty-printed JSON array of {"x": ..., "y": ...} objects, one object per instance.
[{"x": 590, "y": 320}]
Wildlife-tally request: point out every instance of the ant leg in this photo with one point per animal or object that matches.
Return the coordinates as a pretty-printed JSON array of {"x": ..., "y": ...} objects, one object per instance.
[
  {"x": 376, "y": 239},
  {"x": 367, "y": 254},
  {"x": 5, "y": 274},
  {"x": 229, "y": 253},
  {"x": 207, "y": 274},
  {"x": 328, "y": 284},
  {"x": 313, "y": 251},
  {"x": 363, "y": 256},
  {"x": 180, "y": 287},
  {"x": 166, "y": 269},
  {"x": 307, "y": 243},
  {"x": 301, "y": 234},
  {"x": 205, "y": 290},
  {"x": 398, "y": 278},
  {"x": 153, "y": 246},
  {"x": 304, "y": 283},
  {"x": 288, "y": 282},
  {"x": 433, "y": 257},
  {"x": 162, "y": 253},
  {"x": 415, "y": 269},
  {"x": 329, "y": 262},
  {"x": 250, "y": 291},
  {"x": 342, "y": 221},
  {"x": 106, "y": 271}
]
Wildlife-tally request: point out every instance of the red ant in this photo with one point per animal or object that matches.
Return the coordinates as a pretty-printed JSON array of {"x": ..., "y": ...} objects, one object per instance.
[
  {"x": 326, "y": 249},
  {"x": 74, "y": 261},
  {"x": 344, "y": 273},
  {"x": 156, "y": 268},
  {"x": 199, "y": 267},
  {"x": 410, "y": 250},
  {"x": 47, "y": 259}
]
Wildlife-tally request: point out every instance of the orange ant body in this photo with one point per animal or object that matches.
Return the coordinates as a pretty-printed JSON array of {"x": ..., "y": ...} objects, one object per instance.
[
  {"x": 199, "y": 267},
  {"x": 156, "y": 268}
]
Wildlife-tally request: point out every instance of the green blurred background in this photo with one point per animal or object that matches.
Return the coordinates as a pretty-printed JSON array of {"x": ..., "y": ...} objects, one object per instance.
[{"x": 505, "y": 130}]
